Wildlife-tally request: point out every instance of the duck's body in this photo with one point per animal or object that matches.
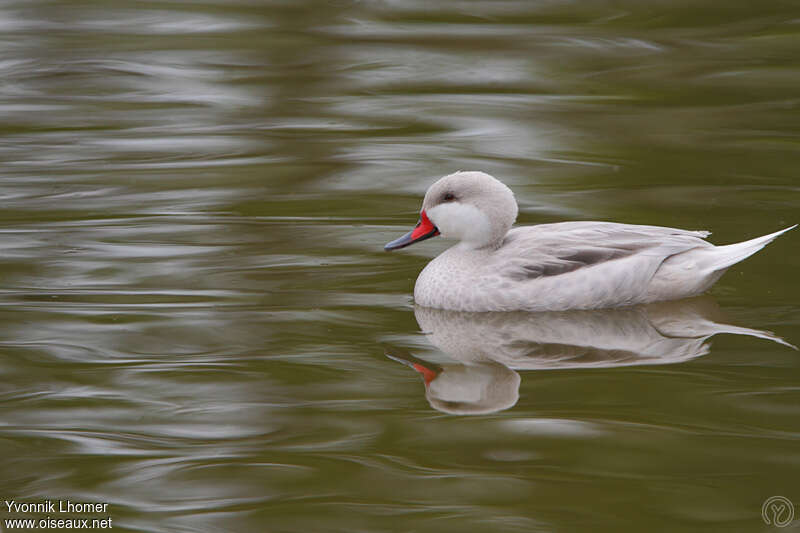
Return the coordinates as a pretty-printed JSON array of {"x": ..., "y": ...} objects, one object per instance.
[
  {"x": 576, "y": 265},
  {"x": 569, "y": 265}
]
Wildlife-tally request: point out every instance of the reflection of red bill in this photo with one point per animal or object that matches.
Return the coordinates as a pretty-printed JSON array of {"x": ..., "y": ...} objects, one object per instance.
[
  {"x": 427, "y": 374},
  {"x": 423, "y": 230}
]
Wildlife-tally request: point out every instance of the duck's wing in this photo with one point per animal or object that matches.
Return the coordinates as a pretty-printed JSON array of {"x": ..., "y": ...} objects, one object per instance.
[
  {"x": 587, "y": 264},
  {"x": 531, "y": 252}
]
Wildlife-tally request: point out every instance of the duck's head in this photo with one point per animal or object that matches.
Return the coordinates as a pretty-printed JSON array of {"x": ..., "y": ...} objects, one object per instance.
[{"x": 471, "y": 207}]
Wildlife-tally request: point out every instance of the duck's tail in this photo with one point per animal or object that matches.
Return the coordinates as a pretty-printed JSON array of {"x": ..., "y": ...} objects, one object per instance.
[{"x": 721, "y": 257}]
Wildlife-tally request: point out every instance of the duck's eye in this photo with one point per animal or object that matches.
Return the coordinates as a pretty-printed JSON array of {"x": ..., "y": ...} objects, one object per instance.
[{"x": 449, "y": 197}]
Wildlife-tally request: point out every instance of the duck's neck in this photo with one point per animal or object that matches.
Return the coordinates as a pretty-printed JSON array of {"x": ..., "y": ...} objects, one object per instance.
[{"x": 470, "y": 246}]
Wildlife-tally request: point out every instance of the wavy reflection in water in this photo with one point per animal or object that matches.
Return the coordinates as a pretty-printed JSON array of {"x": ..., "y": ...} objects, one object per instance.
[{"x": 487, "y": 349}]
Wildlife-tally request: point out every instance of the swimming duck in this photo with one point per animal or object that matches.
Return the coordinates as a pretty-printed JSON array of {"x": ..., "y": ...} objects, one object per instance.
[{"x": 554, "y": 267}]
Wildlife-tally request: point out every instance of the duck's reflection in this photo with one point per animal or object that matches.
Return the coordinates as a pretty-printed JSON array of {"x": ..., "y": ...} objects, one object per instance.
[{"x": 488, "y": 348}]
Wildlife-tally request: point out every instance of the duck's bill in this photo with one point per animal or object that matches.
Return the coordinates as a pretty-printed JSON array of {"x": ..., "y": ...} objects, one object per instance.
[{"x": 423, "y": 230}]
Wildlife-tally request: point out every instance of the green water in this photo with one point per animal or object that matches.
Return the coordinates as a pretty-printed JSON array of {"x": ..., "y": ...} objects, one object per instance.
[{"x": 199, "y": 326}]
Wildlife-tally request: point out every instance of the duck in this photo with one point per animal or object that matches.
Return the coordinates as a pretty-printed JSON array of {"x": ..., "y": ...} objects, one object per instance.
[{"x": 560, "y": 266}]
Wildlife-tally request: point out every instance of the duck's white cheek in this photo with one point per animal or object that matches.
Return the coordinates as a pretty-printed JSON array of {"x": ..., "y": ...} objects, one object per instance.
[{"x": 461, "y": 221}]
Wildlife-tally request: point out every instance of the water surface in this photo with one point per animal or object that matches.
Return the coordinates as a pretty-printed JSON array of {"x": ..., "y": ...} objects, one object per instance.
[{"x": 197, "y": 310}]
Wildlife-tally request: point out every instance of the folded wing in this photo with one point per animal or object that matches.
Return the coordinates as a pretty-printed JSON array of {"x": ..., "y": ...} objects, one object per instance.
[{"x": 558, "y": 266}]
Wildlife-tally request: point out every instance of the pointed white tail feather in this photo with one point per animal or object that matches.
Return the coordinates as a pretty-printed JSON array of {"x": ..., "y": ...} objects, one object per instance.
[{"x": 721, "y": 257}]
